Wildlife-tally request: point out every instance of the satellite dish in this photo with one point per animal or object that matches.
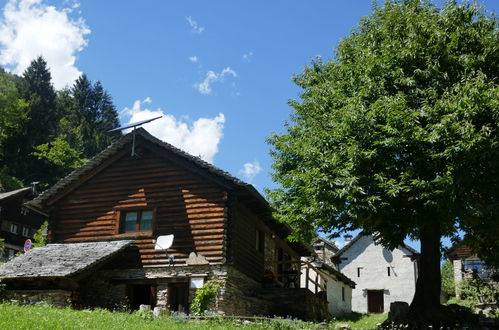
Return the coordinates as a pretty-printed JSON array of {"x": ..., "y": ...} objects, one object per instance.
[
  {"x": 164, "y": 242},
  {"x": 134, "y": 125}
]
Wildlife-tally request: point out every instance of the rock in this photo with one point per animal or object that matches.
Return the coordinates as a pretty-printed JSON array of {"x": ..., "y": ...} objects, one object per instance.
[
  {"x": 144, "y": 307},
  {"x": 156, "y": 312},
  {"x": 398, "y": 312}
]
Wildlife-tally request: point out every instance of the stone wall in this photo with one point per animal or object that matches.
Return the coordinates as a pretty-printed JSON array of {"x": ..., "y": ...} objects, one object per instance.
[
  {"x": 238, "y": 296},
  {"x": 99, "y": 290},
  {"x": 371, "y": 262},
  {"x": 58, "y": 298},
  {"x": 339, "y": 298}
]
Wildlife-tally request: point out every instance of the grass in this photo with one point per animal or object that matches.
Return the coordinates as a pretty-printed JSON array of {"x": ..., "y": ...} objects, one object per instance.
[
  {"x": 13, "y": 316},
  {"x": 361, "y": 321}
]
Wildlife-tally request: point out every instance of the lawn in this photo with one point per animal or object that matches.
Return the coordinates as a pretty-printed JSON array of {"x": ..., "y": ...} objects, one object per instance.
[{"x": 14, "y": 316}]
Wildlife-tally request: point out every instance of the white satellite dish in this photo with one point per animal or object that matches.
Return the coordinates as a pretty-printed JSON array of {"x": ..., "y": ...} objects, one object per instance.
[{"x": 164, "y": 242}]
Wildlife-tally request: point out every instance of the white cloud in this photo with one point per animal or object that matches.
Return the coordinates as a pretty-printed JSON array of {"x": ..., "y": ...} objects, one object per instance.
[
  {"x": 248, "y": 56},
  {"x": 147, "y": 100},
  {"x": 30, "y": 28},
  {"x": 211, "y": 77},
  {"x": 200, "y": 138},
  {"x": 195, "y": 28},
  {"x": 193, "y": 59},
  {"x": 250, "y": 170}
]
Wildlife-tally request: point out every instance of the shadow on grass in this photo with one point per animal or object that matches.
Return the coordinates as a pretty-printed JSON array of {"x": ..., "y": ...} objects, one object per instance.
[{"x": 353, "y": 317}]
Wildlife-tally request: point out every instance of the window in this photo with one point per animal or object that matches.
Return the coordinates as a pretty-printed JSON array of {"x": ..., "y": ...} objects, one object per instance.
[
  {"x": 26, "y": 231},
  {"x": 358, "y": 271},
  {"x": 388, "y": 270},
  {"x": 137, "y": 221},
  {"x": 14, "y": 228},
  {"x": 343, "y": 293},
  {"x": 260, "y": 237}
]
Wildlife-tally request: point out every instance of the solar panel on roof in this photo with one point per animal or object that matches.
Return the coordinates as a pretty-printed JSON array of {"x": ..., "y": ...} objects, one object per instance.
[
  {"x": 134, "y": 125},
  {"x": 138, "y": 123}
]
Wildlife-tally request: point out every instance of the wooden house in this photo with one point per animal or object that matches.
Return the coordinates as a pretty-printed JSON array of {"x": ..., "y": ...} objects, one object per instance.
[
  {"x": 17, "y": 223},
  {"x": 223, "y": 228}
]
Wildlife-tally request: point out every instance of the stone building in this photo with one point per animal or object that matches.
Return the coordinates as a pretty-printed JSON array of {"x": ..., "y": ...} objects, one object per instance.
[
  {"x": 467, "y": 265},
  {"x": 17, "y": 223},
  {"x": 115, "y": 207},
  {"x": 332, "y": 285},
  {"x": 381, "y": 276}
]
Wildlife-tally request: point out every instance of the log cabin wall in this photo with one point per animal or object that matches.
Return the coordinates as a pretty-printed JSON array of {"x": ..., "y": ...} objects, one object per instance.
[
  {"x": 246, "y": 255},
  {"x": 183, "y": 203}
]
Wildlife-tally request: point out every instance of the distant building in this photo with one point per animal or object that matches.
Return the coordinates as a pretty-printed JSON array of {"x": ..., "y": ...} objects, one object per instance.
[
  {"x": 325, "y": 250},
  {"x": 381, "y": 276},
  {"x": 319, "y": 275},
  {"x": 17, "y": 223},
  {"x": 467, "y": 264}
]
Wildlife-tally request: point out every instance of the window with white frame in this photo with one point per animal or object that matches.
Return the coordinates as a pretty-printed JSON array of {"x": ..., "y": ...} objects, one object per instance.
[
  {"x": 26, "y": 231},
  {"x": 14, "y": 228}
]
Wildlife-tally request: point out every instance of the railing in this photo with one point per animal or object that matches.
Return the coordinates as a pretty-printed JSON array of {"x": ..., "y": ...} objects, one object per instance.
[{"x": 302, "y": 268}]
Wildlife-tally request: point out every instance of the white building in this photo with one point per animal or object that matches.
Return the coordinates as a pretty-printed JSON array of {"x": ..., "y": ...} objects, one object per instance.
[
  {"x": 381, "y": 276},
  {"x": 319, "y": 276}
]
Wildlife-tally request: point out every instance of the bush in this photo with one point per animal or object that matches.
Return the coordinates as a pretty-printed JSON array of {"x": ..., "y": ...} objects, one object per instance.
[{"x": 204, "y": 296}]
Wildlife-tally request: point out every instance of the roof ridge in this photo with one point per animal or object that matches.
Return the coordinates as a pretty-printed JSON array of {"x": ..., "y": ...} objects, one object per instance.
[{"x": 115, "y": 146}]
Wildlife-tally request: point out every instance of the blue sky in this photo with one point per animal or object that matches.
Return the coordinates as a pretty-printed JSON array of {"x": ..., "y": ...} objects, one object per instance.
[{"x": 219, "y": 71}]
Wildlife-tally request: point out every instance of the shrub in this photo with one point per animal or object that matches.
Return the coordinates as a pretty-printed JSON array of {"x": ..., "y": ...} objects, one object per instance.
[{"x": 204, "y": 296}]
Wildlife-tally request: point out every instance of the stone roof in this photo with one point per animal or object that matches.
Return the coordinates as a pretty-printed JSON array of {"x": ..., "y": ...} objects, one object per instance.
[
  {"x": 337, "y": 274},
  {"x": 12, "y": 193},
  {"x": 115, "y": 147},
  {"x": 359, "y": 236},
  {"x": 60, "y": 260}
]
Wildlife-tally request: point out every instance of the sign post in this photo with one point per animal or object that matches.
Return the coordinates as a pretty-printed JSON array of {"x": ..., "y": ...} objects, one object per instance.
[{"x": 27, "y": 245}]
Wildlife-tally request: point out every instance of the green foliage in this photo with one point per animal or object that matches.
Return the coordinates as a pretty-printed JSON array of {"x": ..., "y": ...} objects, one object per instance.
[
  {"x": 476, "y": 291},
  {"x": 38, "y": 238},
  {"x": 204, "y": 296},
  {"x": 13, "y": 109},
  {"x": 398, "y": 131},
  {"x": 447, "y": 272},
  {"x": 45, "y": 134},
  {"x": 8, "y": 182},
  {"x": 60, "y": 157}
]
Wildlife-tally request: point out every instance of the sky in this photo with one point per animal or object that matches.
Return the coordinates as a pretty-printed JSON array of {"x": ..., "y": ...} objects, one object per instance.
[{"x": 219, "y": 72}]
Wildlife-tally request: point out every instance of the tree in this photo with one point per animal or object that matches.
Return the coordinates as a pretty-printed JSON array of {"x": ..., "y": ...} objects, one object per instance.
[
  {"x": 40, "y": 124},
  {"x": 398, "y": 135},
  {"x": 92, "y": 114},
  {"x": 447, "y": 273},
  {"x": 13, "y": 114}
]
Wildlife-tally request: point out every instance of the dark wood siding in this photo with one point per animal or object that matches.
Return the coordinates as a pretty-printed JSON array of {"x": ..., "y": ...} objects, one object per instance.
[
  {"x": 246, "y": 256},
  {"x": 184, "y": 203}
]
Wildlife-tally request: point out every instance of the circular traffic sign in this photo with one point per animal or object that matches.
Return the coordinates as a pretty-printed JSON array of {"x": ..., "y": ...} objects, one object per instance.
[{"x": 27, "y": 245}]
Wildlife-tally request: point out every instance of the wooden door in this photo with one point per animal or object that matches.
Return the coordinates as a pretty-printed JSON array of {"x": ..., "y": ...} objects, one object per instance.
[
  {"x": 178, "y": 297},
  {"x": 375, "y": 301}
]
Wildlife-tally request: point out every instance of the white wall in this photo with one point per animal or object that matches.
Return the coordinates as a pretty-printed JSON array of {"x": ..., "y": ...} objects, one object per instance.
[
  {"x": 374, "y": 260},
  {"x": 336, "y": 305}
]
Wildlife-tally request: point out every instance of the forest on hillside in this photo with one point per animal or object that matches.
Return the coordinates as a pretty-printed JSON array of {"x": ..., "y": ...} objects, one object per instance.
[{"x": 46, "y": 133}]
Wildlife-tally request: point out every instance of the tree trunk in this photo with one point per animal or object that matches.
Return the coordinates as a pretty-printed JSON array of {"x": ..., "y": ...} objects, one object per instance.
[{"x": 425, "y": 306}]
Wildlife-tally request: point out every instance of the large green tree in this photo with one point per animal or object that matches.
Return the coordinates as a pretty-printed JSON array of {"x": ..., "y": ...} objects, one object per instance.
[
  {"x": 398, "y": 135},
  {"x": 91, "y": 114}
]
